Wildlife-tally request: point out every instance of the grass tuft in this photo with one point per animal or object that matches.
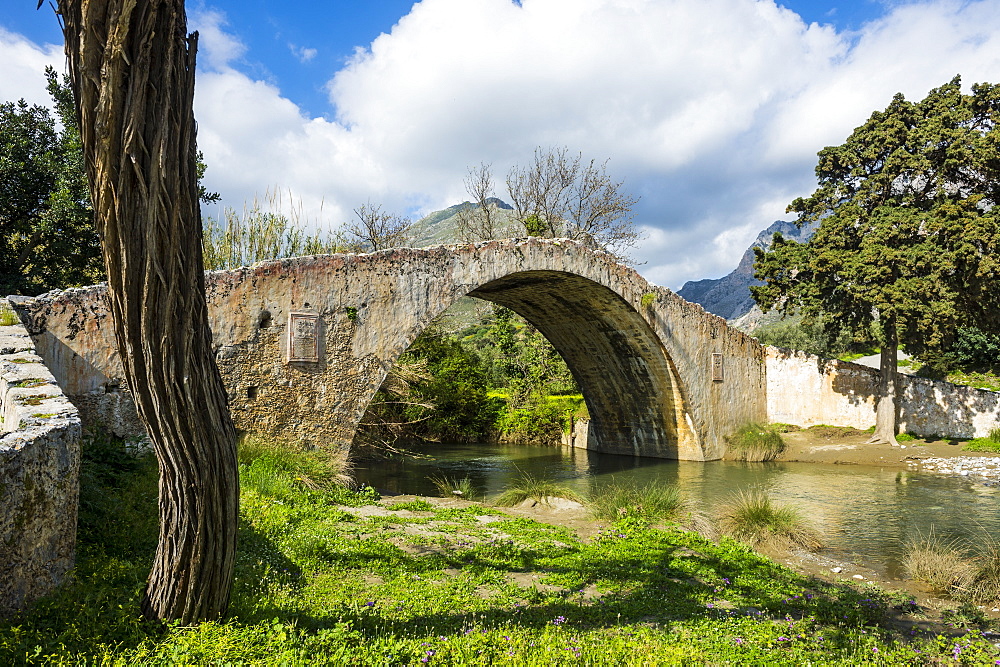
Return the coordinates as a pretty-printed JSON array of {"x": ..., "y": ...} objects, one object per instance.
[
  {"x": 754, "y": 442},
  {"x": 7, "y": 315},
  {"x": 984, "y": 584},
  {"x": 937, "y": 562},
  {"x": 448, "y": 487},
  {"x": 534, "y": 488},
  {"x": 277, "y": 469},
  {"x": 753, "y": 518}
]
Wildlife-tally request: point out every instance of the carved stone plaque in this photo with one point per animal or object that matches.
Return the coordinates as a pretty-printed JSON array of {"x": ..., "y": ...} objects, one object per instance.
[
  {"x": 303, "y": 337},
  {"x": 716, "y": 367}
]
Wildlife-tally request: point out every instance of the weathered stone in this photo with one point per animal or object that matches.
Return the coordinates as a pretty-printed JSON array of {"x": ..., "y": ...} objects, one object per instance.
[
  {"x": 39, "y": 475},
  {"x": 642, "y": 355}
]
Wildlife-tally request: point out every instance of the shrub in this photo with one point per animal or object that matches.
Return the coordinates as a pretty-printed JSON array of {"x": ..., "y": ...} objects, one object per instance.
[
  {"x": 937, "y": 562},
  {"x": 754, "y": 442},
  {"x": 448, "y": 487},
  {"x": 752, "y": 517},
  {"x": 539, "y": 422},
  {"x": 536, "y": 489}
]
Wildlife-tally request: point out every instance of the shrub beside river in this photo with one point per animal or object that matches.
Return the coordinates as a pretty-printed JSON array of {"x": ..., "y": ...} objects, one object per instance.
[{"x": 328, "y": 576}]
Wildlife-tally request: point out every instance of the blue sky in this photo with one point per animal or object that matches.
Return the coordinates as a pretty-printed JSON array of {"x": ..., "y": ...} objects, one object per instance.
[
  {"x": 298, "y": 48},
  {"x": 711, "y": 110}
]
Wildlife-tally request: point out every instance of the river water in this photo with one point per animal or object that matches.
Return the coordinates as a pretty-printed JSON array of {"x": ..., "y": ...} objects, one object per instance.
[{"x": 866, "y": 513}]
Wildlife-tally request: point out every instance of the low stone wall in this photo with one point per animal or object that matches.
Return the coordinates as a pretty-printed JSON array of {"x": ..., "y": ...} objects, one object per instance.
[
  {"x": 806, "y": 390},
  {"x": 39, "y": 474}
]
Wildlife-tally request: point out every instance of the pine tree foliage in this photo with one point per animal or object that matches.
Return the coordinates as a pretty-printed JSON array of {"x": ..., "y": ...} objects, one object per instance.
[{"x": 909, "y": 241}]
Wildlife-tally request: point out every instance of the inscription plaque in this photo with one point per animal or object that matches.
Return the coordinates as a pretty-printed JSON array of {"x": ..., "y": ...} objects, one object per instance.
[
  {"x": 303, "y": 337},
  {"x": 716, "y": 367}
]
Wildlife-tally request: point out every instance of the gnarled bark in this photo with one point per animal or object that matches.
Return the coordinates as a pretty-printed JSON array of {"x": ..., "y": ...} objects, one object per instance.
[{"x": 132, "y": 66}]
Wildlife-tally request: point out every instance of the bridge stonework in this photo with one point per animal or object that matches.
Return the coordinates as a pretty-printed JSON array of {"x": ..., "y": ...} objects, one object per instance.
[{"x": 661, "y": 377}]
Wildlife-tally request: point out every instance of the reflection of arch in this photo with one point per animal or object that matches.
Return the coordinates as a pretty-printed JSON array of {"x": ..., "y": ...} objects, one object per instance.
[{"x": 628, "y": 380}]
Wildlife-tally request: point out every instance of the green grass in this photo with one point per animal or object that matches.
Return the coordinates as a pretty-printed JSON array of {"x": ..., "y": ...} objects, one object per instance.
[
  {"x": 754, "y": 442},
  {"x": 318, "y": 584},
  {"x": 7, "y": 315},
  {"x": 647, "y": 505},
  {"x": 980, "y": 380},
  {"x": 991, "y": 443},
  {"x": 534, "y": 488},
  {"x": 750, "y": 516}
]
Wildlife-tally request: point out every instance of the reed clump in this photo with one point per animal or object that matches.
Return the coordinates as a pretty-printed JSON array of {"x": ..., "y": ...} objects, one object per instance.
[
  {"x": 452, "y": 487},
  {"x": 537, "y": 489},
  {"x": 754, "y": 442},
  {"x": 753, "y": 518}
]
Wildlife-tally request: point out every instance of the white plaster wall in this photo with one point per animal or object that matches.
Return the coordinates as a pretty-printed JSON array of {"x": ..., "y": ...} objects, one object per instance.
[{"x": 806, "y": 390}]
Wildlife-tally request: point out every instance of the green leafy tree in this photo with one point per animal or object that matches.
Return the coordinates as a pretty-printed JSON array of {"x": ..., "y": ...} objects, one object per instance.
[
  {"x": 47, "y": 236},
  {"x": 908, "y": 243}
]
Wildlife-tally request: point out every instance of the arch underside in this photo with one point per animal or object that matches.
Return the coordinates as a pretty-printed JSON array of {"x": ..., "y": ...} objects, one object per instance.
[{"x": 632, "y": 390}]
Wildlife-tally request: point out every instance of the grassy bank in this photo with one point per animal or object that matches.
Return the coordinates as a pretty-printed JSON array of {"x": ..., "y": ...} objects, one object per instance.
[{"x": 326, "y": 576}]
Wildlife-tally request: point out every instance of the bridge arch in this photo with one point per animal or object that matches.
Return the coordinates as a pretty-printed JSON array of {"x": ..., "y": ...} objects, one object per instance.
[
  {"x": 633, "y": 392},
  {"x": 661, "y": 376}
]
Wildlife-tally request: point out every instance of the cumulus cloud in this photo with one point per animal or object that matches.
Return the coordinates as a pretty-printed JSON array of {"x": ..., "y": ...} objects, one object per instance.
[
  {"x": 23, "y": 68},
  {"x": 711, "y": 110}
]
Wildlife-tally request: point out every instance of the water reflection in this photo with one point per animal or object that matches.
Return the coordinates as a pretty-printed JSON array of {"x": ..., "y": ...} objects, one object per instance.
[{"x": 865, "y": 511}]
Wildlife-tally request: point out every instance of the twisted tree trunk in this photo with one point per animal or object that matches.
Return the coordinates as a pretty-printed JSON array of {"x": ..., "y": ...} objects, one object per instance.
[
  {"x": 885, "y": 400},
  {"x": 132, "y": 66}
]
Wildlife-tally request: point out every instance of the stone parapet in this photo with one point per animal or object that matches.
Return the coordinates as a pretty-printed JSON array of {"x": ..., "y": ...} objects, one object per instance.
[{"x": 39, "y": 474}]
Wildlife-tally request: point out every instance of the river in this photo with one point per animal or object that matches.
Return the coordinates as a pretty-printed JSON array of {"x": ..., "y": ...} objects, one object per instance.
[{"x": 866, "y": 513}]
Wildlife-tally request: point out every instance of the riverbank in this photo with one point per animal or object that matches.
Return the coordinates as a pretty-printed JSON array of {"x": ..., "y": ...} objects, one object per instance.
[
  {"x": 847, "y": 446},
  {"x": 328, "y": 576}
]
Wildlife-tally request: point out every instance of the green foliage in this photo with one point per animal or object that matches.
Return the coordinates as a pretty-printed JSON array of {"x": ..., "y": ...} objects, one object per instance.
[
  {"x": 7, "y": 315},
  {"x": 908, "y": 240},
  {"x": 648, "y": 299},
  {"x": 973, "y": 349},
  {"x": 538, "y": 422},
  {"x": 751, "y": 516},
  {"x": 534, "y": 488},
  {"x": 48, "y": 240},
  {"x": 317, "y": 584},
  {"x": 755, "y": 442},
  {"x": 439, "y": 392},
  {"x": 991, "y": 443},
  {"x": 643, "y": 505},
  {"x": 258, "y": 234},
  {"x": 534, "y": 225},
  {"x": 815, "y": 336}
]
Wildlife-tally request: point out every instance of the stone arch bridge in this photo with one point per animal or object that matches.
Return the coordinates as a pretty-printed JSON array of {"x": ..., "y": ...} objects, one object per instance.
[{"x": 304, "y": 343}]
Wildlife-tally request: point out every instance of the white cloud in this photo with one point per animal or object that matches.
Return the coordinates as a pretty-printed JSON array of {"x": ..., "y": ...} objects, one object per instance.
[
  {"x": 304, "y": 54},
  {"x": 23, "y": 68},
  {"x": 712, "y": 110}
]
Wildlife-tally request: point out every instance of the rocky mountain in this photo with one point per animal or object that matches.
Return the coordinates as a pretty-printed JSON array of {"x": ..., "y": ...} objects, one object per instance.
[
  {"x": 729, "y": 296},
  {"x": 442, "y": 226}
]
